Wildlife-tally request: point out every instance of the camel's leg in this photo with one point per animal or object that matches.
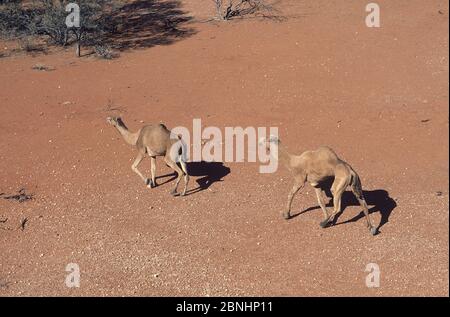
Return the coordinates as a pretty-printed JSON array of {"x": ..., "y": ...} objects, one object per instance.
[
  {"x": 337, "y": 197},
  {"x": 319, "y": 194},
  {"x": 297, "y": 186},
  {"x": 137, "y": 161},
  {"x": 153, "y": 172},
  {"x": 357, "y": 191},
  {"x": 186, "y": 176},
  {"x": 175, "y": 167},
  {"x": 337, "y": 189}
]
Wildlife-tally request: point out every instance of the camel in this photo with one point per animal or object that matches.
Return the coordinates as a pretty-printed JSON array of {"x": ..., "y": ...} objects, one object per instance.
[
  {"x": 155, "y": 140},
  {"x": 315, "y": 167}
]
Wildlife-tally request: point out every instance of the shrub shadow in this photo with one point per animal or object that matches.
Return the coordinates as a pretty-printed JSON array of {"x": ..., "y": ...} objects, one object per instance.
[{"x": 146, "y": 23}]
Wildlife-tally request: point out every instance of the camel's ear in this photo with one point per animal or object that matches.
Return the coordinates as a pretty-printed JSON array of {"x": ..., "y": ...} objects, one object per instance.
[
  {"x": 274, "y": 139},
  {"x": 262, "y": 141},
  {"x": 179, "y": 136}
]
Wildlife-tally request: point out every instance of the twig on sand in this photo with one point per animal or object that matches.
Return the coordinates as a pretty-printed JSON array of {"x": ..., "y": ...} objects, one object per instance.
[
  {"x": 23, "y": 223},
  {"x": 20, "y": 197}
]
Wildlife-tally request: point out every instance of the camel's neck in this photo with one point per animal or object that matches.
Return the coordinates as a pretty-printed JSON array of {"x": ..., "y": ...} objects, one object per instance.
[
  {"x": 129, "y": 137},
  {"x": 283, "y": 156}
]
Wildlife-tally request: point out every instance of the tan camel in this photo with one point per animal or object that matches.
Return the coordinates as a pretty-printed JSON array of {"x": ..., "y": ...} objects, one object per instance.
[
  {"x": 155, "y": 140},
  {"x": 315, "y": 167}
]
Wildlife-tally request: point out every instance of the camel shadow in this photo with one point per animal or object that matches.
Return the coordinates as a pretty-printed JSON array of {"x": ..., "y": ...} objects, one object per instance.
[
  {"x": 379, "y": 199},
  {"x": 171, "y": 177},
  {"x": 210, "y": 173}
]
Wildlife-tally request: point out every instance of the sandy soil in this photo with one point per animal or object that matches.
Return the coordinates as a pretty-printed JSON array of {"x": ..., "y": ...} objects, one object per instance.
[{"x": 379, "y": 97}]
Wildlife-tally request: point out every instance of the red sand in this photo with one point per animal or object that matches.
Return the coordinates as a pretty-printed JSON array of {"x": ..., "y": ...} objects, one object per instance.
[{"x": 379, "y": 97}]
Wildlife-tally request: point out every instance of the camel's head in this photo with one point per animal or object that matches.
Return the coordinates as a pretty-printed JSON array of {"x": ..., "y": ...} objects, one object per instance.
[
  {"x": 115, "y": 121},
  {"x": 268, "y": 142}
]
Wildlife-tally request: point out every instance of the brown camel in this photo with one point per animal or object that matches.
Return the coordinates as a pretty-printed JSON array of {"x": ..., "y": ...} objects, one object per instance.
[
  {"x": 155, "y": 140},
  {"x": 315, "y": 167}
]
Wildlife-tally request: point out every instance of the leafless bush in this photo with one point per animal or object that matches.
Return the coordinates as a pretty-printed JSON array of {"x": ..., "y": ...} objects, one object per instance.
[
  {"x": 228, "y": 9},
  {"x": 51, "y": 22},
  {"x": 105, "y": 51},
  {"x": 92, "y": 21},
  {"x": 42, "y": 67},
  {"x": 14, "y": 19},
  {"x": 27, "y": 44},
  {"x": 122, "y": 24},
  {"x": 48, "y": 18}
]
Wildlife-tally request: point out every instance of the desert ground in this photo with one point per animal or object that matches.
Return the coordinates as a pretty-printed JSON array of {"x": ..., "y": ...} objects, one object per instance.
[{"x": 378, "y": 96}]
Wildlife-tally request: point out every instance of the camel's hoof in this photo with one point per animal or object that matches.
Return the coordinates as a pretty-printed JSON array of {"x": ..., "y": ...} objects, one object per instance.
[
  {"x": 174, "y": 193},
  {"x": 373, "y": 231},
  {"x": 324, "y": 224},
  {"x": 286, "y": 216}
]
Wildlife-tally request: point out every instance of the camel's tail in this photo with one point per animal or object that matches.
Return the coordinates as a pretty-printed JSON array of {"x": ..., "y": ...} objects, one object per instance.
[
  {"x": 358, "y": 192},
  {"x": 356, "y": 185},
  {"x": 183, "y": 155}
]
